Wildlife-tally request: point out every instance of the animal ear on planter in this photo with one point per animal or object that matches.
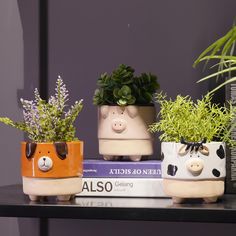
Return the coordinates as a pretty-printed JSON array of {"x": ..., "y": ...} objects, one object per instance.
[
  {"x": 30, "y": 149},
  {"x": 61, "y": 149},
  {"x": 204, "y": 150},
  {"x": 183, "y": 150},
  {"x": 104, "y": 111},
  {"x": 132, "y": 111}
]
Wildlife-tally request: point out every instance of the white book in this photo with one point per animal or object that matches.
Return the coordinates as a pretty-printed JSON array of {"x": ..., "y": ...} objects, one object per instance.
[{"x": 122, "y": 187}]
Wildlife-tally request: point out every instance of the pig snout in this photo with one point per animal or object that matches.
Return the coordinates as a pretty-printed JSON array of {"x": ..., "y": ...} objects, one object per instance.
[
  {"x": 118, "y": 125},
  {"x": 195, "y": 166}
]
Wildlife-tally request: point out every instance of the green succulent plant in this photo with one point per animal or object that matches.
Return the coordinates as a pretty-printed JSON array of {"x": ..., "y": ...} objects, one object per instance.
[
  {"x": 123, "y": 88},
  {"x": 193, "y": 121},
  {"x": 223, "y": 51}
]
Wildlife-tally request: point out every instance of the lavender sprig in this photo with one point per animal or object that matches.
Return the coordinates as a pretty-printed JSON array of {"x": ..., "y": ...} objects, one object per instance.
[{"x": 48, "y": 122}]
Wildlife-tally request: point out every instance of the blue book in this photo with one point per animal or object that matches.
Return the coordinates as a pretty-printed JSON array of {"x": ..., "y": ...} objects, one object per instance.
[{"x": 122, "y": 169}]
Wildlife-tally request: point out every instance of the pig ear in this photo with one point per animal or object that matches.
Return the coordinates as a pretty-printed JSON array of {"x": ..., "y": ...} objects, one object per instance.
[
  {"x": 120, "y": 109},
  {"x": 61, "y": 149},
  {"x": 132, "y": 111},
  {"x": 30, "y": 149},
  {"x": 104, "y": 111}
]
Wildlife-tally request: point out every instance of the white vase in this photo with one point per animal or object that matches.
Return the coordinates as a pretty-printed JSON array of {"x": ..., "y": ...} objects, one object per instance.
[{"x": 193, "y": 174}]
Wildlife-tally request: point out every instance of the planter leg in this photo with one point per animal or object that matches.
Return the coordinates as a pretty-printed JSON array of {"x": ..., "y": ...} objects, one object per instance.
[
  {"x": 34, "y": 198},
  {"x": 177, "y": 199},
  {"x": 210, "y": 199},
  {"x": 135, "y": 158},
  {"x": 63, "y": 198},
  {"x": 110, "y": 158}
]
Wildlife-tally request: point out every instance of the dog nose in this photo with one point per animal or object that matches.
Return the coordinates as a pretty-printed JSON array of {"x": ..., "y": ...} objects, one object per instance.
[{"x": 45, "y": 163}]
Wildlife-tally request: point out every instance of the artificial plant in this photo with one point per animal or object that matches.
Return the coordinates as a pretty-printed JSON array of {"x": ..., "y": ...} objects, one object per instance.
[
  {"x": 48, "y": 121},
  {"x": 193, "y": 121},
  {"x": 123, "y": 88}
]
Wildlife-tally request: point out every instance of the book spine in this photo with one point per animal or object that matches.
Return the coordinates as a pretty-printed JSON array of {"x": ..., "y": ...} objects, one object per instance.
[
  {"x": 122, "y": 170},
  {"x": 231, "y": 151},
  {"x": 122, "y": 187}
]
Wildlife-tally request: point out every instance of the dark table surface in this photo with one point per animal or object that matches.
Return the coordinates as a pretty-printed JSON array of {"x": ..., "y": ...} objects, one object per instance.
[{"x": 13, "y": 203}]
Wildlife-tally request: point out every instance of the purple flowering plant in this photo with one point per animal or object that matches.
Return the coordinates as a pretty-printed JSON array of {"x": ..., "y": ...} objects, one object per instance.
[{"x": 48, "y": 121}]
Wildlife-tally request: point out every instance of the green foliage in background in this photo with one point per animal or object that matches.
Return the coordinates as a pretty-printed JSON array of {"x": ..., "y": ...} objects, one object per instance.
[
  {"x": 123, "y": 88},
  {"x": 193, "y": 121},
  {"x": 221, "y": 50},
  {"x": 48, "y": 122}
]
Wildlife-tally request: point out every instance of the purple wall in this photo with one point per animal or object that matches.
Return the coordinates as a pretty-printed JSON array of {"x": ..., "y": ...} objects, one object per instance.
[
  {"x": 88, "y": 37},
  {"x": 19, "y": 70}
]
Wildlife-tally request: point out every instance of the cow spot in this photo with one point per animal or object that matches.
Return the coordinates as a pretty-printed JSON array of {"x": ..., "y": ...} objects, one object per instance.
[
  {"x": 216, "y": 173},
  {"x": 221, "y": 152},
  {"x": 171, "y": 170},
  {"x": 162, "y": 156}
]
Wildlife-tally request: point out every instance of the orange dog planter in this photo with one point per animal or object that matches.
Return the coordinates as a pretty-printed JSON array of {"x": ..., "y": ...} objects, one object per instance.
[
  {"x": 49, "y": 167},
  {"x": 52, "y": 169}
]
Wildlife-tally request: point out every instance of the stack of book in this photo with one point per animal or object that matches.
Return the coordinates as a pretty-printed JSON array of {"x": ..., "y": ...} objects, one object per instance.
[{"x": 122, "y": 178}]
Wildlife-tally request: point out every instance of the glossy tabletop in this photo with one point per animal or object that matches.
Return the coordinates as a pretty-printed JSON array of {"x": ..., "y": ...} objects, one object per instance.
[{"x": 13, "y": 203}]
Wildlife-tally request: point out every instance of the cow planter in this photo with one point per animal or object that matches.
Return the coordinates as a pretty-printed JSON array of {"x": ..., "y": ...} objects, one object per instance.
[
  {"x": 52, "y": 169},
  {"x": 193, "y": 170},
  {"x": 122, "y": 131}
]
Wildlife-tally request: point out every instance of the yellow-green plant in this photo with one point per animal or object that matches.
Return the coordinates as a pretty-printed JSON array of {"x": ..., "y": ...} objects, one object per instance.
[
  {"x": 193, "y": 121},
  {"x": 47, "y": 121}
]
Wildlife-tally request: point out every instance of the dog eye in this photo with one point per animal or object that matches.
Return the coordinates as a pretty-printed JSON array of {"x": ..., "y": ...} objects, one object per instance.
[
  {"x": 48, "y": 151},
  {"x": 39, "y": 151}
]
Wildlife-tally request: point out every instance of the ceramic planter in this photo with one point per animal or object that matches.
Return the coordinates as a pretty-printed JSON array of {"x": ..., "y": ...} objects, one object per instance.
[
  {"x": 122, "y": 131},
  {"x": 52, "y": 169},
  {"x": 196, "y": 173}
]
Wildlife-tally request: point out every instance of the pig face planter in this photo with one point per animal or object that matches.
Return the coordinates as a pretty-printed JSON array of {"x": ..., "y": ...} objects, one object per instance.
[
  {"x": 52, "y": 169},
  {"x": 122, "y": 131},
  {"x": 193, "y": 171}
]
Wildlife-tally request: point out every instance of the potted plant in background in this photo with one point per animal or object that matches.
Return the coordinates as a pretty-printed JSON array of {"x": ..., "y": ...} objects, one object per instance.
[
  {"x": 125, "y": 111},
  {"x": 51, "y": 162},
  {"x": 193, "y": 136},
  {"x": 222, "y": 50}
]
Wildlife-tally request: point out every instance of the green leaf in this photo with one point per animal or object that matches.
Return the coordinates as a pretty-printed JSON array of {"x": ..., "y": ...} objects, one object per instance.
[
  {"x": 116, "y": 93},
  {"x": 125, "y": 90},
  {"x": 231, "y": 80},
  {"x": 122, "y": 85},
  {"x": 224, "y": 47},
  {"x": 131, "y": 101},
  {"x": 217, "y": 73},
  {"x": 214, "y": 48},
  {"x": 122, "y": 102}
]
